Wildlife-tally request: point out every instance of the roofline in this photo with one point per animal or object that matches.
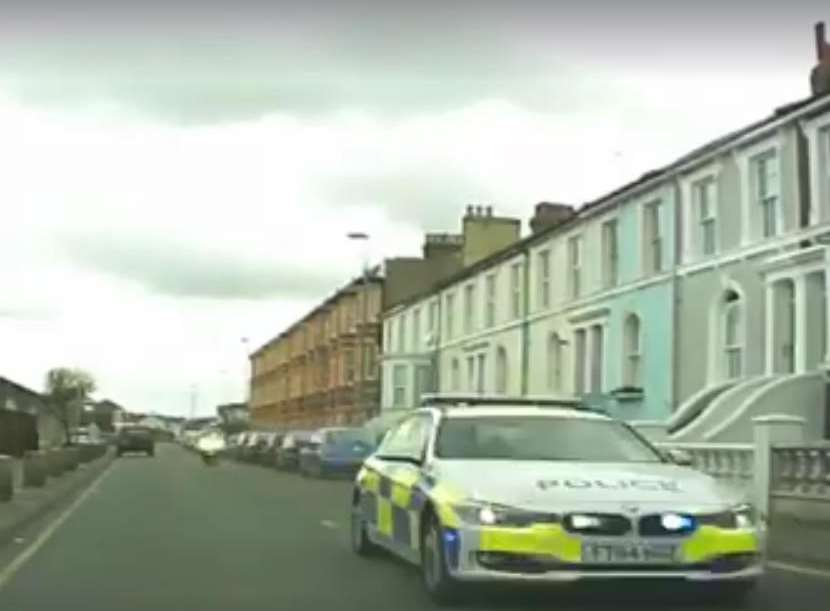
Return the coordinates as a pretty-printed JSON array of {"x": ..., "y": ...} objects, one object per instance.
[
  {"x": 21, "y": 387},
  {"x": 374, "y": 277},
  {"x": 648, "y": 180}
]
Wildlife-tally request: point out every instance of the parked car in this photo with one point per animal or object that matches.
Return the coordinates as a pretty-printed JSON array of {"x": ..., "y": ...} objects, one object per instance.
[
  {"x": 236, "y": 443},
  {"x": 268, "y": 452},
  {"x": 336, "y": 451},
  {"x": 135, "y": 439},
  {"x": 248, "y": 449},
  {"x": 288, "y": 455}
]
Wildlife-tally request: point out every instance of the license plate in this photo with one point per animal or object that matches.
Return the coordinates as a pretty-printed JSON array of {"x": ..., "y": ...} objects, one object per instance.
[{"x": 596, "y": 552}]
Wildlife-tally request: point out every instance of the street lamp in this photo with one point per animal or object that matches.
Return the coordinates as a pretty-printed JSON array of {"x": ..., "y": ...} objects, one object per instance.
[{"x": 364, "y": 315}]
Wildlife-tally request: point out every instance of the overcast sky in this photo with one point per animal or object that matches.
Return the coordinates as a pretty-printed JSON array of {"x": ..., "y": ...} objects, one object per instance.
[{"x": 177, "y": 176}]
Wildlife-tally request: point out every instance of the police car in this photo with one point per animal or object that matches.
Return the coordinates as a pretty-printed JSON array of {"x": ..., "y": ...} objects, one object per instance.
[{"x": 478, "y": 490}]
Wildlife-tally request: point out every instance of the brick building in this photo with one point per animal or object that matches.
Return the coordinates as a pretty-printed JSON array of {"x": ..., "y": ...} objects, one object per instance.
[{"x": 323, "y": 369}]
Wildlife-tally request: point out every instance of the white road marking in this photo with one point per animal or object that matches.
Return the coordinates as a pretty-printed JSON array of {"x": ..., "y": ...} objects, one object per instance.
[
  {"x": 18, "y": 563},
  {"x": 801, "y": 570},
  {"x": 329, "y": 524}
]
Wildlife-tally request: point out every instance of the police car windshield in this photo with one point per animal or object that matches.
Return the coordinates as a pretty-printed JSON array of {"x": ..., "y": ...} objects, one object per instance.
[{"x": 541, "y": 438}]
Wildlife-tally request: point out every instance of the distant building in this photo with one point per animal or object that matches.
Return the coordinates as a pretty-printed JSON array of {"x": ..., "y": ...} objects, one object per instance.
[
  {"x": 106, "y": 414},
  {"x": 323, "y": 369},
  {"x": 233, "y": 416}
]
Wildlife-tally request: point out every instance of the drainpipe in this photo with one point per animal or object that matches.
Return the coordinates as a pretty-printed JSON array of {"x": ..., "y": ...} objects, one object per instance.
[
  {"x": 436, "y": 352},
  {"x": 525, "y": 326},
  {"x": 676, "y": 297}
]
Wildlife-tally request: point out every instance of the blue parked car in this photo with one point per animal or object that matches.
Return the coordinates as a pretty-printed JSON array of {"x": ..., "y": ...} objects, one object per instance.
[{"x": 336, "y": 452}]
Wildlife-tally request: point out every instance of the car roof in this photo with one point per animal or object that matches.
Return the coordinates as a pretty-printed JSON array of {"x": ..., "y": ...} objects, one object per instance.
[{"x": 522, "y": 411}]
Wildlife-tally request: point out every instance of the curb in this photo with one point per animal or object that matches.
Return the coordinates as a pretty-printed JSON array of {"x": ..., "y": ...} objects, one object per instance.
[{"x": 81, "y": 479}]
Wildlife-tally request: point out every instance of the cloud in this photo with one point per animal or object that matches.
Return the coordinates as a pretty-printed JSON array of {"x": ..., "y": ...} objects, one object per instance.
[
  {"x": 430, "y": 199},
  {"x": 180, "y": 269}
]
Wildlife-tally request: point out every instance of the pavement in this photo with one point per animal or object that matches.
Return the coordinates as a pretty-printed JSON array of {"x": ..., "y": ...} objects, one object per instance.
[{"x": 168, "y": 533}]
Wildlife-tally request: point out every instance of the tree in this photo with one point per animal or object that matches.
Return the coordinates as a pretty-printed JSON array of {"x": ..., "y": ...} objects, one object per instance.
[{"x": 66, "y": 391}]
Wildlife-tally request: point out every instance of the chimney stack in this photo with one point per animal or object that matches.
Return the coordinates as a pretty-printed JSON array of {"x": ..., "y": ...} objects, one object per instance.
[
  {"x": 547, "y": 214},
  {"x": 820, "y": 75}
]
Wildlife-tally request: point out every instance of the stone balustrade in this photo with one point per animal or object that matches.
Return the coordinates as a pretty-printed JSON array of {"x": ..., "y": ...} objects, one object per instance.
[{"x": 801, "y": 470}]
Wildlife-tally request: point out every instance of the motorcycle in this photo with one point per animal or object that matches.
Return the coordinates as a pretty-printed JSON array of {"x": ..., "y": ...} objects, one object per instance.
[{"x": 210, "y": 446}]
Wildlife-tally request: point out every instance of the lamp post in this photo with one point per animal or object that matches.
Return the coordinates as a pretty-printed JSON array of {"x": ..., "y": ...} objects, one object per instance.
[{"x": 364, "y": 309}]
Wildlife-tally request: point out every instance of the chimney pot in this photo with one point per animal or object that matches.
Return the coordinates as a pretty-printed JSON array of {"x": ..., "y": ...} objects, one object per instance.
[
  {"x": 489, "y": 210},
  {"x": 469, "y": 211},
  {"x": 820, "y": 40}
]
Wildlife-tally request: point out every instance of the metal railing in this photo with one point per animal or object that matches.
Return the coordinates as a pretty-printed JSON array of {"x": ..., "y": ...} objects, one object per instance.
[{"x": 801, "y": 471}]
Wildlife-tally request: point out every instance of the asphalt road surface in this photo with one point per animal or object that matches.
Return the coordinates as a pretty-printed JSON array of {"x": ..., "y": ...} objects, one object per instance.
[{"x": 168, "y": 533}]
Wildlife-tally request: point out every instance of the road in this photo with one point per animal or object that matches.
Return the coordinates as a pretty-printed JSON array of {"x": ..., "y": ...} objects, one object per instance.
[{"x": 170, "y": 533}]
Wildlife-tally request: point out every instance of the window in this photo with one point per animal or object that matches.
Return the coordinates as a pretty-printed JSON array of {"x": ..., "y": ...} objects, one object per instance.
[
  {"x": 766, "y": 192},
  {"x": 632, "y": 340},
  {"x": 402, "y": 333},
  {"x": 610, "y": 254},
  {"x": 653, "y": 226},
  {"x": 471, "y": 373},
  {"x": 349, "y": 358},
  {"x": 597, "y": 358},
  {"x": 455, "y": 375},
  {"x": 554, "y": 362},
  {"x": 703, "y": 193},
  {"x": 501, "y": 370},
  {"x": 399, "y": 386},
  {"x": 416, "y": 330},
  {"x": 469, "y": 308},
  {"x": 371, "y": 362},
  {"x": 423, "y": 381},
  {"x": 490, "y": 303},
  {"x": 450, "y": 305},
  {"x": 516, "y": 289},
  {"x": 544, "y": 279},
  {"x": 482, "y": 364},
  {"x": 733, "y": 341},
  {"x": 579, "y": 361},
  {"x": 575, "y": 266}
]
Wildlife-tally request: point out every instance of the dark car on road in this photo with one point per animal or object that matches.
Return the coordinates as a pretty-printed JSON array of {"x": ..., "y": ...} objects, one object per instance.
[
  {"x": 336, "y": 452},
  {"x": 288, "y": 455},
  {"x": 135, "y": 439}
]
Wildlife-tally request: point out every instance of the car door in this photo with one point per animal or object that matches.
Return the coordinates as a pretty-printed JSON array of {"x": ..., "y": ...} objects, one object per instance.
[{"x": 393, "y": 472}]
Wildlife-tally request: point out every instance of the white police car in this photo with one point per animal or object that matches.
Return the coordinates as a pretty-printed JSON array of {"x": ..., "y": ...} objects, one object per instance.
[{"x": 527, "y": 492}]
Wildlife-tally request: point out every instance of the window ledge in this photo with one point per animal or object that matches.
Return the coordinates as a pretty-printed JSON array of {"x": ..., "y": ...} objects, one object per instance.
[{"x": 628, "y": 394}]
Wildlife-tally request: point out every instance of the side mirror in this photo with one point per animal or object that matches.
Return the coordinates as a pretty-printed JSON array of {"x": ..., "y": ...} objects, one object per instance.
[{"x": 679, "y": 457}]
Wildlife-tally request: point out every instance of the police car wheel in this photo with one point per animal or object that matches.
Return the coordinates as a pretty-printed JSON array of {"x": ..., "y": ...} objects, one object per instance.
[
  {"x": 360, "y": 540},
  {"x": 439, "y": 583}
]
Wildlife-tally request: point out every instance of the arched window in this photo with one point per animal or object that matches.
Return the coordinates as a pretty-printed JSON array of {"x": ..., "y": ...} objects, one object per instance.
[
  {"x": 554, "y": 362},
  {"x": 455, "y": 375},
  {"x": 632, "y": 347},
  {"x": 501, "y": 370},
  {"x": 732, "y": 335}
]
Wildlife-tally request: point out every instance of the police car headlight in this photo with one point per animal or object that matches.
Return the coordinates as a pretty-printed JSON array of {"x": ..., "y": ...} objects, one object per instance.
[
  {"x": 745, "y": 516},
  {"x": 488, "y": 514},
  {"x": 739, "y": 517}
]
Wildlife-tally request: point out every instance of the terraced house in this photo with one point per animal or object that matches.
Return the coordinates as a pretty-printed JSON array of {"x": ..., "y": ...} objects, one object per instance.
[{"x": 695, "y": 296}]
